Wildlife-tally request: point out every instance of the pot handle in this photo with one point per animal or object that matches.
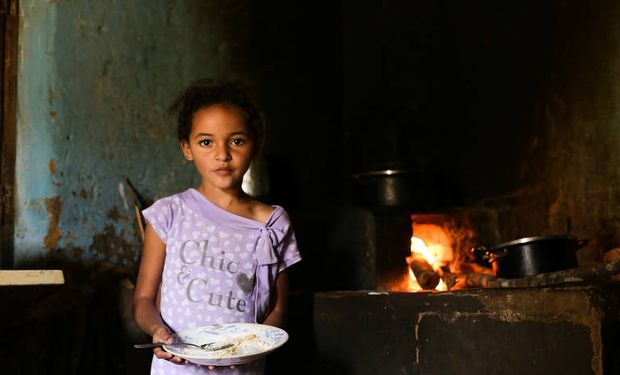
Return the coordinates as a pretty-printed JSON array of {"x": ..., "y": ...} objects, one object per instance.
[{"x": 489, "y": 255}]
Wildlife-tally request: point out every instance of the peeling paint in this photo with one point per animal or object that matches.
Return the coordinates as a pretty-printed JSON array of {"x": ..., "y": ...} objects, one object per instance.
[
  {"x": 114, "y": 215},
  {"x": 52, "y": 166},
  {"x": 82, "y": 194},
  {"x": 110, "y": 246},
  {"x": 53, "y": 206}
]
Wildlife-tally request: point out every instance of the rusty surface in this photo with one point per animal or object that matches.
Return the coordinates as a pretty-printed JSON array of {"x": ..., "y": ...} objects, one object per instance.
[
  {"x": 52, "y": 166},
  {"x": 53, "y": 207}
]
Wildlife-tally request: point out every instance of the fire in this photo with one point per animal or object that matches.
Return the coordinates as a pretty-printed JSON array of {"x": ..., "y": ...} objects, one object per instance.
[
  {"x": 419, "y": 247},
  {"x": 432, "y": 245}
]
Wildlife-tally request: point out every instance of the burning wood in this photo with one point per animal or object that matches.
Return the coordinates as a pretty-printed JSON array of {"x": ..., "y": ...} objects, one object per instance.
[
  {"x": 424, "y": 273},
  {"x": 476, "y": 280},
  {"x": 573, "y": 275},
  {"x": 448, "y": 278},
  {"x": 434, "y": 265}
]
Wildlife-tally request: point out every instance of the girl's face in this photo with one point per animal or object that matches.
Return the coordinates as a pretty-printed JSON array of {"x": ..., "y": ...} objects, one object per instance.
[{"x": 220, "y": 147}]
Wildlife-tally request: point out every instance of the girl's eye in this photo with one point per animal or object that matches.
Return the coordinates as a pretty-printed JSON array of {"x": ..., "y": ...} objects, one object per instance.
[
  {"x": 238, "y": 141},
  {"x": 205, "y": 142}
]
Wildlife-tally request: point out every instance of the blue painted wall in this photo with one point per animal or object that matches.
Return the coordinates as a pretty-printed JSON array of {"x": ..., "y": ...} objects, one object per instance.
[{"x": 94, "y": 79}]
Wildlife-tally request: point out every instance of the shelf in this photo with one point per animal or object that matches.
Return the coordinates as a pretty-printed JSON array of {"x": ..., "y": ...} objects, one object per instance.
[{"x": 31, "y": 277}]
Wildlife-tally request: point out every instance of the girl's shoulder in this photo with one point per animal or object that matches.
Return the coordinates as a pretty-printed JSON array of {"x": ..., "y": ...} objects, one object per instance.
[
  {"x": 273, "y": 216},
  {"x": 175, "y": 205},
  {"x": 260, "y": 211},
  {"x": 269, "y": 215},
  {"x": 170, "y": 200}
]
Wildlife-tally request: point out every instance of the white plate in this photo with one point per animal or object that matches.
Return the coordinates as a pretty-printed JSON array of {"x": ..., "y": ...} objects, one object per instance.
[{"x": 253, "y": 341}]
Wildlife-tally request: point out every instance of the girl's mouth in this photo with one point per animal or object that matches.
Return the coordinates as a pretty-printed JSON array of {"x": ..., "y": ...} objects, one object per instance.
[{"x": 223, "y": 171}]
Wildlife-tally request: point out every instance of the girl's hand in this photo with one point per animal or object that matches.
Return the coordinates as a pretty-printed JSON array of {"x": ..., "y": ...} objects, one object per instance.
[{"x": 161, "y": 334}]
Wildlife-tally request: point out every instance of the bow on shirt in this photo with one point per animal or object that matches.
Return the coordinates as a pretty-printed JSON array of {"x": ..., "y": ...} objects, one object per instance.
[{"x": 269, "y": 240}]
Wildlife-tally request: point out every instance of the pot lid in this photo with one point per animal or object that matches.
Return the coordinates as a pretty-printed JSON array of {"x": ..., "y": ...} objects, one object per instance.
[
  {"x": 525, "y": 240},
  {"x": 382, "y": 173}
]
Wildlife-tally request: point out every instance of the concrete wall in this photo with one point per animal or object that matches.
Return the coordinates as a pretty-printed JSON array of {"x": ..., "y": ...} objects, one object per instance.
[{"x": 93, "y": 81}]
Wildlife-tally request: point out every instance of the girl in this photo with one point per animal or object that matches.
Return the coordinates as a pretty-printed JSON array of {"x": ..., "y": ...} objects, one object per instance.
[{"x": 215, "y": 254}]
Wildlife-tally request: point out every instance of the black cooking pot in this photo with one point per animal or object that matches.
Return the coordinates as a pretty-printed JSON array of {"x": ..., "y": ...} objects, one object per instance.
[
  {"x": 397, "y": 188},
  {"x": 532, "y": 255}
]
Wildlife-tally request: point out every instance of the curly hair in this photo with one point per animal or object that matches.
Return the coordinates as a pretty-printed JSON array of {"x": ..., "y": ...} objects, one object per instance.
[{"x": 207, "y": 92}]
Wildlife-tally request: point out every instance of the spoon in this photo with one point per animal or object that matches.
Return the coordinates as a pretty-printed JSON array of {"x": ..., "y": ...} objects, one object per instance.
[{"x": 208, "y": 346}]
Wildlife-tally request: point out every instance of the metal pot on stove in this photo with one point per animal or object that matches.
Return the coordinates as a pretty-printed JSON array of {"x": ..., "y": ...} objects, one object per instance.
[
  {"x": 402, "y": 188},
  {"x": 532, "y": 255}
]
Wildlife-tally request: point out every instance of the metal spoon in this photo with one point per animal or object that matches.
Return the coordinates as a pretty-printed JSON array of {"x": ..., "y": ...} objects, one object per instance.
[{"x": 208, "y": 346}]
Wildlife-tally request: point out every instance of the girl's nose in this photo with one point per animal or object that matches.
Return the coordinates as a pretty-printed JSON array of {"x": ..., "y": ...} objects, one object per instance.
[{"x": 222, "y": 153}]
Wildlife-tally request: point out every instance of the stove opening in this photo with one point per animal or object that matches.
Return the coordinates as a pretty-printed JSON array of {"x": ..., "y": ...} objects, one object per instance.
[
  {"x": 431, "y": 252},
  {"x": 440, "y": 250}
]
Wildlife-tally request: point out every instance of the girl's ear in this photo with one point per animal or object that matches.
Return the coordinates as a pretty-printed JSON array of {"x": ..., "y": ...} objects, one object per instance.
[{"x": 187, "y": 152}]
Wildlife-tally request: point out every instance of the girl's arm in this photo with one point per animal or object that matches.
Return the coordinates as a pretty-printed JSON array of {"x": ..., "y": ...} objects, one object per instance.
[
  {"x": 145, "y": 310},
  {"x": 277, "y": 314}
]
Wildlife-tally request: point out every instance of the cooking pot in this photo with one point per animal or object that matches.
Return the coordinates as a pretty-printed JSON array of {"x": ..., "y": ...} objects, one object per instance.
[
  {"x": 532, "y": 255},
  {"x": 397, "y": 188}
]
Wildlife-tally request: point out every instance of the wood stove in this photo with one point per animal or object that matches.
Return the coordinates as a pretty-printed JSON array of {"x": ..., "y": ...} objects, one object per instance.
[
  {"x": 373, "y": 321},
  {"x": 566, "y": 330}
]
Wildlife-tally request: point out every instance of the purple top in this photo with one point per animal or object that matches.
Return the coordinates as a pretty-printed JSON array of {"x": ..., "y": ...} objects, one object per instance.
[{"x": 219, "y": 267}]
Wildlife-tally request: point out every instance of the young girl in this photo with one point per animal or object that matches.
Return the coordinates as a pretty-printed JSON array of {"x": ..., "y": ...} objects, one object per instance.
[{"x": 215, "y": 254}]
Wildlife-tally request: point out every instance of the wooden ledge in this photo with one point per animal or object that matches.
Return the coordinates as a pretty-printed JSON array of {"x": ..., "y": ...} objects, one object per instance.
[{"x": 31, "y": 277}]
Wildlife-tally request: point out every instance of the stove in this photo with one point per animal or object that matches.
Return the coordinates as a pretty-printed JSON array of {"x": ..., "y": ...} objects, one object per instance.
[
  {"x": 561, "y": 330},
  {"x": 372, "y": 321}
]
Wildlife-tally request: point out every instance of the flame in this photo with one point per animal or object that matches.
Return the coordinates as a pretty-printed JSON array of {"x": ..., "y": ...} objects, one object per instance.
[
  {"x": 432, "y": 254},
  {"x": 419, "y": 246}
]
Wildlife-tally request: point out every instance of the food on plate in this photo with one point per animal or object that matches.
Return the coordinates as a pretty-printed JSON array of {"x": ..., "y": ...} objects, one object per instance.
[
  {"x": 239, "y": 346},
  {"x": 228, "y": 343}
]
